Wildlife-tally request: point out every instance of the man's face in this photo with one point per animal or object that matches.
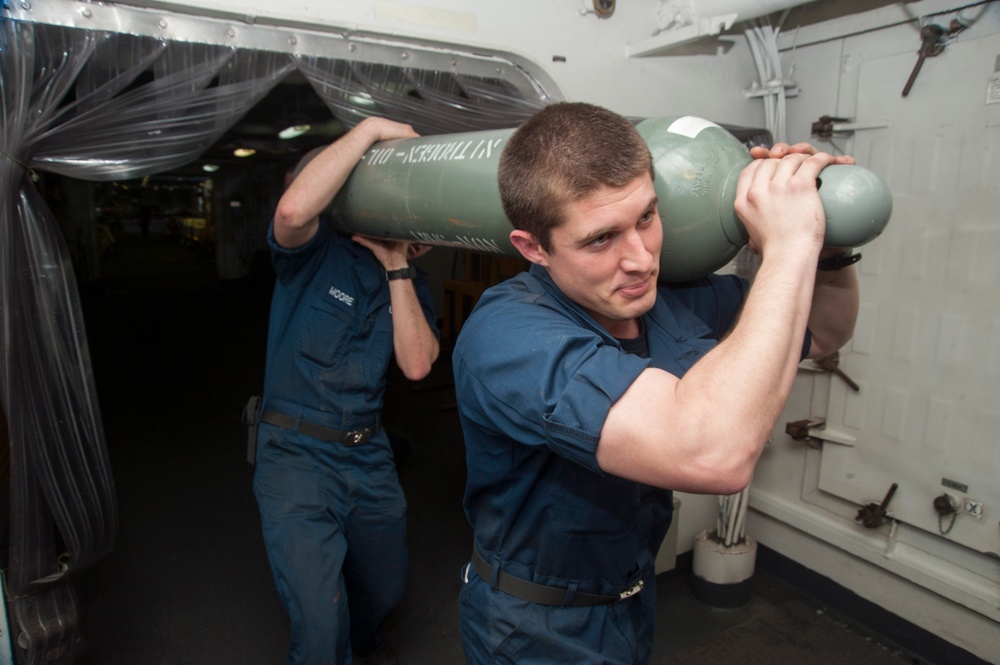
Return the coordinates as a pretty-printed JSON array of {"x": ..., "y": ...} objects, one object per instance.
[{"x": 606, "y": 255}]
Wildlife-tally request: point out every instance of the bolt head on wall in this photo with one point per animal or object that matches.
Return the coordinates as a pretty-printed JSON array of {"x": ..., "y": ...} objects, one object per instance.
[{"x": 604, "y": 8}]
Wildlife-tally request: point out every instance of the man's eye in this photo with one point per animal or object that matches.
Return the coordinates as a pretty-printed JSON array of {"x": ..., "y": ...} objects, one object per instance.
[{"x": 600, "y": 240}]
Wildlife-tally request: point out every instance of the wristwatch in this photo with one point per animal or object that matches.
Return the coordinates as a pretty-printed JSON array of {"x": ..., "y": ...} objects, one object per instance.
[
  {"x": 409, "y": 272},
  {"x": 848, "y": 258}
]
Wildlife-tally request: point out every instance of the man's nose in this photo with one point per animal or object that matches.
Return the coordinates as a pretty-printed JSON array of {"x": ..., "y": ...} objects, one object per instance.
[{"x": 635, "y": 256}]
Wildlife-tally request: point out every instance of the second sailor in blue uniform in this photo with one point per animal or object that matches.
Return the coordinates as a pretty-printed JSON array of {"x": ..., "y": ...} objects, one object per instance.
[{"x": 332, "y": 510}]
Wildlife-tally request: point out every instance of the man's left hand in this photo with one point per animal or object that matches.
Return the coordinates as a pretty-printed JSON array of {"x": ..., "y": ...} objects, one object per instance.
[
  {"x": 779, "y": 150},
  {"x": 392, "y": 254}
]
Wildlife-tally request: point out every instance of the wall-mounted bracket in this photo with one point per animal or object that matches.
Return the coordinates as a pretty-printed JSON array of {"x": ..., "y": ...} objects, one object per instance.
[
  {"x": 827, "y": 126},
  {"x": 814, "y": 432},
  {"x": 801, "y": 430},
  {"x": 790, "y": 88},
  {"x": 874, "y": 515}
]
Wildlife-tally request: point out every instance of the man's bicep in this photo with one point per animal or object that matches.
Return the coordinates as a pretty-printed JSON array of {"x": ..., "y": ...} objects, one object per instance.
[{"x": 636, "y": 438}]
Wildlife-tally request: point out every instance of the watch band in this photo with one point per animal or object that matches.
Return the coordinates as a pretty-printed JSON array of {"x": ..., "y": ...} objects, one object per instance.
[
  {"x": 848, "y": 258},
  {"x": 409, "y": 272}
]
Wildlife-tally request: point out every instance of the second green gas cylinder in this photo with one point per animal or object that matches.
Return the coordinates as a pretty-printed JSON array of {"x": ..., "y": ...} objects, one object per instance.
[{"x": 442, "y": 190}]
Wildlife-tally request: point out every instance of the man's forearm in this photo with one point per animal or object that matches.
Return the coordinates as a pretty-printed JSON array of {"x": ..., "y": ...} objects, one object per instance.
[
  {"x": 704, "y": 432},
  {"x": 415, "y": 344},
  {"x": 321, "y": 179},
  {"x": 834, "y": 310},
  {"x": 753, "y": 368}
]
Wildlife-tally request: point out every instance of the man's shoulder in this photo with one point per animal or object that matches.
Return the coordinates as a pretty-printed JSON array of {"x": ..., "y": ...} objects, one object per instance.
[
  {"x": 324, "y": 235},
  {"x": 326, "y": 254},
  {"x": 527, "y": 298},
  {"x": 521, "y": 286},
  {"x": 520, "y": 317}
]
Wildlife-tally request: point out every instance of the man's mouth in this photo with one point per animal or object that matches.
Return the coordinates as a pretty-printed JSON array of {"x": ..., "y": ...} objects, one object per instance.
[{"x": 635, "y": 289}]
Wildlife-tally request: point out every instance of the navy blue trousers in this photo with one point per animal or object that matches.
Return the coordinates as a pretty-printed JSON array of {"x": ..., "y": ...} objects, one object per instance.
[
  {"x": 499, "y": 629},
  {"x": 334, "y": 523}
]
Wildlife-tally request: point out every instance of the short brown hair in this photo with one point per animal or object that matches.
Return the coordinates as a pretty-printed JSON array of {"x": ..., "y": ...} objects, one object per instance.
[{"x": 561, "y": 154}]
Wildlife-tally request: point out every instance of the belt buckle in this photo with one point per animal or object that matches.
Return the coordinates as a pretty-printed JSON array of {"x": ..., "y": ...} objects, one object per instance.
[
  {"x": 357, "y": 437},
  {"x": 632, "y": 590}
]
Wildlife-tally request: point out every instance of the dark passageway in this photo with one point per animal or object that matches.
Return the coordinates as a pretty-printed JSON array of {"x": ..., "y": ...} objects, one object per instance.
[{"x": 174, "y": 359}]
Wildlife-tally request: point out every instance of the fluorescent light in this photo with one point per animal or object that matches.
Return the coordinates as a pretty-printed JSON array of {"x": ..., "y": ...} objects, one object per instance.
[
  {"x": 210, "y": 168},
  {"x": 244, "y": 152},
  {"x": 293, "y": 131},
  {"x": 361, "y": 99}
]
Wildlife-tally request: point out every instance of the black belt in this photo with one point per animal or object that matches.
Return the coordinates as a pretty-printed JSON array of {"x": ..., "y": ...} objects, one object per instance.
[
  {"x": 544, "y": 594},
  {"x": 354, "y": 438}
]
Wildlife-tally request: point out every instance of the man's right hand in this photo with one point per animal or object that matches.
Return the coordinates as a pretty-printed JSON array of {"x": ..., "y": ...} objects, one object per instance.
[
  {"x": 384, "y": 129},
  {"x": 778, "y": 201},
  {"x": 318, "y": 183}
]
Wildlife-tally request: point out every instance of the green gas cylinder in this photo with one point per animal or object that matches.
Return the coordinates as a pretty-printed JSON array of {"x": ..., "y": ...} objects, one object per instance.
[{"x": 441, "y": 190}]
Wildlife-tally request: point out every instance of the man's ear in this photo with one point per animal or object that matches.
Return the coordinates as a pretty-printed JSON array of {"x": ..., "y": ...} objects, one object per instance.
[{"x": 530, "y": 249}]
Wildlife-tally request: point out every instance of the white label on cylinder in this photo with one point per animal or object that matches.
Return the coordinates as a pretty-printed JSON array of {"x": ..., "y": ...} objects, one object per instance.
[{"x": 689, "y": 126}]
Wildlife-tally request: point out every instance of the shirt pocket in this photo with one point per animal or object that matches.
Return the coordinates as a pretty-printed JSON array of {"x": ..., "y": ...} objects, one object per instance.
[{"x": 324, "y": 334}]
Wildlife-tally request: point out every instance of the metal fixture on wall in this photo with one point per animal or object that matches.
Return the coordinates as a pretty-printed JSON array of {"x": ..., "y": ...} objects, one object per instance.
[
  {"x": 604, "y": 8},
  {"x": 874, "y": 515}
]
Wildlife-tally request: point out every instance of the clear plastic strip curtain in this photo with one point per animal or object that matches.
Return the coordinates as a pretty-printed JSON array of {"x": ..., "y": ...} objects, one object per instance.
[
  {"x": 93, "y": 106},
  {"x": 101, "y": 106},
  {"x": 433, "y": 102}
]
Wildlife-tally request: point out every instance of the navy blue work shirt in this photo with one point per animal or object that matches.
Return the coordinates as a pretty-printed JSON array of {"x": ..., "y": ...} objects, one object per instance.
[
  {"x": 329, "y": 341},
  {"x": 535, "y": 377}
]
